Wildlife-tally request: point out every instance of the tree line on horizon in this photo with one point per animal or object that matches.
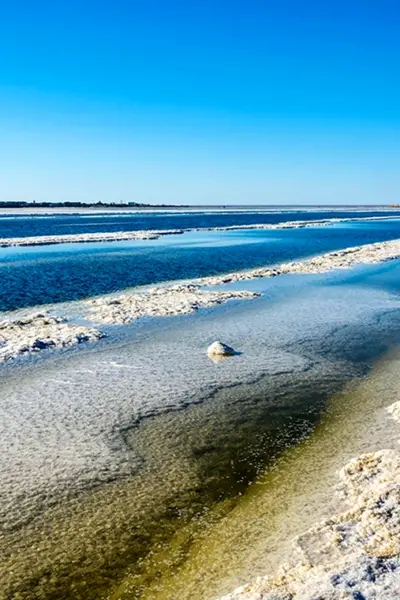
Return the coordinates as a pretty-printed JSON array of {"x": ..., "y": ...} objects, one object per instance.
[{"x": 23, "y": 204}]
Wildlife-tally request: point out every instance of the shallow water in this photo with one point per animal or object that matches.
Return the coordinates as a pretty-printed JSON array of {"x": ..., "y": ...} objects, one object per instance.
[
  {"x": 117, "y": 459},
  {"x": 255, "y": 535}
]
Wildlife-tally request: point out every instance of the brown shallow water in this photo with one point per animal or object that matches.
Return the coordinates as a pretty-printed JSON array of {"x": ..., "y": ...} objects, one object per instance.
[
  {"x": 191, "y": 524},
  {"x": 197, "y": 463},
  {"x": 255, "y": 535}
]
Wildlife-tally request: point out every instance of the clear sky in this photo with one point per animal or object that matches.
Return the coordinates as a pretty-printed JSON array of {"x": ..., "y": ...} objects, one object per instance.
[{"x": 200, "y": 101}]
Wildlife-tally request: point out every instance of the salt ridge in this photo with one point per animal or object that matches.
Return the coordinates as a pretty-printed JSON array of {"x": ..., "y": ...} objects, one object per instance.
[
  {"x": 80, "y": 238},
  {"x": 185, "y": 298},
  {"x": 355, "y": 554},
  {"x": 39, "y": 331},
  {"x": 340, "y": 259},
  {"x": 160, "y": 302}
]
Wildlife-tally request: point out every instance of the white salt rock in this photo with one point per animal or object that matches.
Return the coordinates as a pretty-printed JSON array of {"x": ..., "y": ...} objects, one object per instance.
[{"x": 219, "y": 349}]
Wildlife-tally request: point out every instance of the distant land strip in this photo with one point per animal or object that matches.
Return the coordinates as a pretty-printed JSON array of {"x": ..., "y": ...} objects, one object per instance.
[{"x": 17, "y": 204}]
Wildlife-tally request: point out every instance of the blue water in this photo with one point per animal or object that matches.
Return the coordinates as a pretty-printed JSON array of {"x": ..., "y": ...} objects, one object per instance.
[
  {"x": 300, "y": 342},
  {"x": 23, "y": 226},
  {"x": 39, "y": 275}
]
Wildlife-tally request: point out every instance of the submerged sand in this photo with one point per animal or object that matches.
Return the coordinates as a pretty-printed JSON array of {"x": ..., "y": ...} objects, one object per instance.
[{"x": 255, "y": 536}]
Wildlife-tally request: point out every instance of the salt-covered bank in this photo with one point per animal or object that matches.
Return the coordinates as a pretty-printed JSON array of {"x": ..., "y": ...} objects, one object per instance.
[{"x": 355, "y": 553}]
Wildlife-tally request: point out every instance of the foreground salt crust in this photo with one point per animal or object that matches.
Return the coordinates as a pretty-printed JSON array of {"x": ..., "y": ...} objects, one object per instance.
[
  {"x": 160, "y": 302},
  {"x": 355, "y": 554},
  {"x": 39, "y": 331}
]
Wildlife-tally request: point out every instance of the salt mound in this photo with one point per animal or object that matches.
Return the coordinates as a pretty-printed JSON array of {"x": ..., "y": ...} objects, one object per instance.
[
  {"x": 219, "y": 349},
  {"x": 160, "y": 302},
  {"x": 38, "y": 332}
]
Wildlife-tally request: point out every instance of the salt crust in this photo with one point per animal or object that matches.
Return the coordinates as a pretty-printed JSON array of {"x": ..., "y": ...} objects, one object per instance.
[
  {"x": 185, "y": 298},
  {"x": 355, "y": 554},
  {"x": 323, "y": 263},
  {"x": 39, "y": 331},
  {"x": 160, "y": 302}
]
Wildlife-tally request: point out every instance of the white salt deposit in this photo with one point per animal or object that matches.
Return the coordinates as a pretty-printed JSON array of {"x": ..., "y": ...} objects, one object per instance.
[
  {"x": 300, "y": 224},
  {"x": 118, "y": 236},
  {"x": 220, "y": 349},
  {"x": 355, "y": 554},
  {"x": 323, "y": 263},
  {"x": 160, "y": 302},
  {"x": 39, "y": 331}
]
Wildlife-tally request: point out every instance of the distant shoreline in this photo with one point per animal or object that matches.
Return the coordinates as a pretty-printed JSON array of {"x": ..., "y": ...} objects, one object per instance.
[{"x": 96, "y": 205}]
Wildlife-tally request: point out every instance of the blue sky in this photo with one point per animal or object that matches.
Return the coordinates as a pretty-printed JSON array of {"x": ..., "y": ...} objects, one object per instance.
[{"x": 200, "y": 102}]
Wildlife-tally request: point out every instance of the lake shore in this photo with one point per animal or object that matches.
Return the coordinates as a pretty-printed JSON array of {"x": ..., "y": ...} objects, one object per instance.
[{"x": 355, "y": 553}]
